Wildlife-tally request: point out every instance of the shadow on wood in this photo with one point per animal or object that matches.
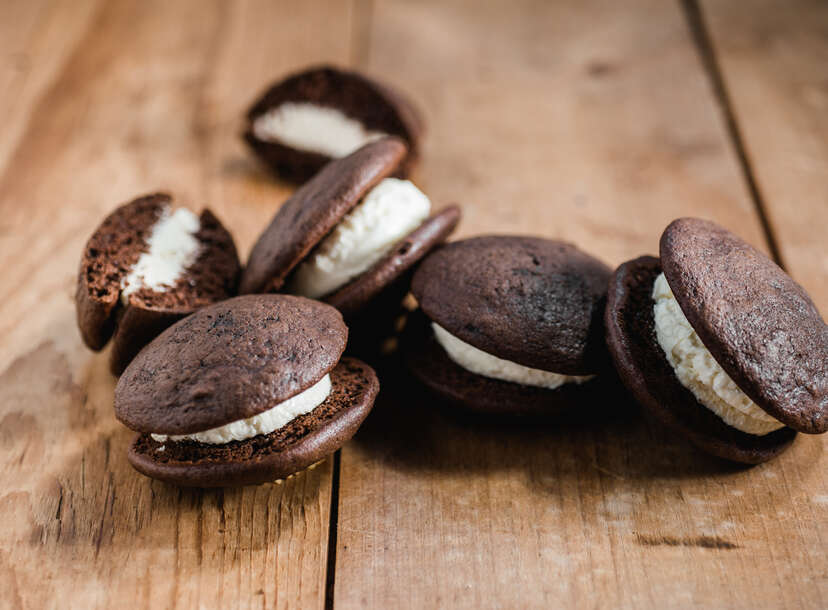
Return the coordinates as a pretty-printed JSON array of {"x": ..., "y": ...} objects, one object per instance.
[{"x": 410, "y": 428}]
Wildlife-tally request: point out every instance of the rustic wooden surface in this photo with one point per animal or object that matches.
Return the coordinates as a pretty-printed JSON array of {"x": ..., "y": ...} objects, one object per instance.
[
  {"x": 594, "y": 121},
  {"x": 774, "y": 59}
]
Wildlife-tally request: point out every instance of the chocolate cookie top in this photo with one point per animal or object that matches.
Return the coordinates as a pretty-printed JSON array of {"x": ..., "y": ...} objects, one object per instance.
[
  {"x": 376, "y": 106},
  {"x": 314, "y": 210},
  {"x": 758, "y": 324},
  {"x": 229, "y": 361},
  {"x": 644, "y": 369},
  {"x": 537, "y": 302}
]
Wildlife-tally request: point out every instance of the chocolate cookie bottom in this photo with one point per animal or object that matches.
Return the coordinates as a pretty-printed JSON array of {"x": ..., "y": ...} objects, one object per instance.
[
  {"x": 433, "y": 367},
  {"x": 645, "y": 371},
  {"x": 297, "y": 445}
]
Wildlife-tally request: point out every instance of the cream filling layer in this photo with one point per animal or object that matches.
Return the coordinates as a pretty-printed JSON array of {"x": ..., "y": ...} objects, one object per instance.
[
  {"x": 389, "y": 212},
  {"x": 171, "y": 248},
  {"x": 263, "y": 423},
  {"x": 482, "y": 363},
  {"x": 699, "y": 372},
  {"x": 313, "y": 128}
]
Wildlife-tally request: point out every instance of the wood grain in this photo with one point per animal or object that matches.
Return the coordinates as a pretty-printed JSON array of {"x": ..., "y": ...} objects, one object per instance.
[
  {"x": 594, "y": 122},
  {"x": 150, "y": 96},
  {"x": 774, "y": 63},
  {"x": 36, "y": 38}
]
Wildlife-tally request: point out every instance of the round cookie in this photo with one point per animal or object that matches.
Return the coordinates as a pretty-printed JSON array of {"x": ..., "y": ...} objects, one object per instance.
[
  {"x": 533, "y": 302},
  {"x": 296, "y": 153},
  {"x": 759, "y": 325},
  {"x": 109, "y": 306},
  {"x": 313, "y": 211},
  {"x": 304, "y": 223},
  {"x": 233, "y": 361},
  {"x": 644, "y": 369}
]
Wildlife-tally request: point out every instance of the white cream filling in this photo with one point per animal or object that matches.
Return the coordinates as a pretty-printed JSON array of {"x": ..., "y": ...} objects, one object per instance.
[
  {"x": 389, "y": 212},
  {"x": 313, "y": 128},
  {"x": 699, "y": 372},
  {"x": 263, "y": 423},
  {"x": 171, "y": 247},
  {"x": 481, "y": 363}
]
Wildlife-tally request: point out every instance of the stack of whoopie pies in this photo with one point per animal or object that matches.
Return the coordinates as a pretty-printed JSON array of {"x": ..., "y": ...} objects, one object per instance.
[
  {"x": 712, "y": 338},
  {"x": 230, "y": 390}
]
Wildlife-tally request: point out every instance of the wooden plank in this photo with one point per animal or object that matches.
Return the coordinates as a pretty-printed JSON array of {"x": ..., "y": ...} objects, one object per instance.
[
  {"x": 774, "y": 62},
  {"x": 593, "y": 122},
  {"x": 150, "y": 98},
  {"x": 36, "y": 38}
]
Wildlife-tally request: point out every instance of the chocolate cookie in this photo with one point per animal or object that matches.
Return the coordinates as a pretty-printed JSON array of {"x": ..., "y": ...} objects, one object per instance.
[
  {"x": 147, "y": 266},
  {"x": 245, "y": 391},
  {"x": 757, "y": 322},
  {"x": 697, "y": 385},
  {"x": 349, "y": 233},
  {"x": 324, "y": 113},
  {"x": 509, "y": 324}
]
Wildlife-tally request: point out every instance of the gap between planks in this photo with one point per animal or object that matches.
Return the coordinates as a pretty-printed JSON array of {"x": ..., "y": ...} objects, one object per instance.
[
  {"x": 360, "y": 51},
  {"x": 707, "y": 54},
  {"x": 330, "y": 571}
]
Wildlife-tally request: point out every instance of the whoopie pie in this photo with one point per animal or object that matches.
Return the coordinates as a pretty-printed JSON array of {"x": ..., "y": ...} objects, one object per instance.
[
  {"x": 146, "y": 266},
  {"x": 719, "y": 344},
  {"x": 245, "y": 391},
  {"x": 508, "y": 324},
  {"x": 349, "y": 233},
  {"x": 309, "y": 118}
]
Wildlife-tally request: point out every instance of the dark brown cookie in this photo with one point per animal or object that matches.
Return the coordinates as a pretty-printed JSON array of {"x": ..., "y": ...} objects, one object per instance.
[
  {"x": 432, "y": 366},
  {"x": 759, "y": 325},
  {"x": 376, "y": 106},
  {"x": 644, "y": 369},
  {"x": 229, "y": 361},
  {"x": 108, "y": 257},
  {"x": 533, "y": 301},
  {"x": 112, "y": 250},
  {"x": 355, "y": 296},
  {"x": 294, "y": 447},
  {"x": 314, "y": 210}
]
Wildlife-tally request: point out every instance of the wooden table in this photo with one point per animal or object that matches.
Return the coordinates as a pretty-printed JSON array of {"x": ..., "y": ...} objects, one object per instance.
[{"x": 597, "y": 122}]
